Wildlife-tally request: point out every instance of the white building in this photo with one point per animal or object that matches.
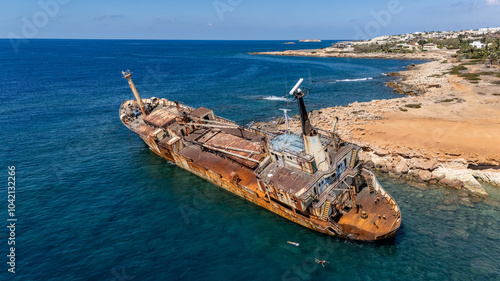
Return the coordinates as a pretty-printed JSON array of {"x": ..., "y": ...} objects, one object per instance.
[
  {"x": 430, "y": 46},
  {"x": 487, "y": 30},
  {"x": 477, "y": 44}
]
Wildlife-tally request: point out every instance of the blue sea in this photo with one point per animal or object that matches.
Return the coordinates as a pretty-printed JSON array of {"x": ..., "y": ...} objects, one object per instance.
[{"x": 94, "y": 203}]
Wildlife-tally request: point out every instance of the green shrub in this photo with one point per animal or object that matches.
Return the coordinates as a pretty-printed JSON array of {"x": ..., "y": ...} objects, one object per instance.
[
  {"x": 456, "y": 69},
  {"x": 486, "y": 73},
  {"x": 413, "y": 105}
]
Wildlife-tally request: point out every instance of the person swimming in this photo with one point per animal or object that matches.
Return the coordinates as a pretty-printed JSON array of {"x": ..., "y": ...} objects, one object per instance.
[{"x": 321, "y": 262}]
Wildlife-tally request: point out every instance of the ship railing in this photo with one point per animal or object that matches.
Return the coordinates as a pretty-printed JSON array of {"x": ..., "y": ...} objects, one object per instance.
[
  {"x": 166, "y": 102},
  {"x": 224, "y": 120},
  {"x": 262, "y": 166},
  {"x": 337, "y": 229},
  {"x": 378, "y": 188},
  {"x": 335, "y": 226},
  {"x": 342, "y": 152},
  {"x": 350, "y": 172}
]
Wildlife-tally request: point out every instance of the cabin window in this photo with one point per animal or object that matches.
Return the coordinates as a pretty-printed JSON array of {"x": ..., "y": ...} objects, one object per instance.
[
  {"x": 341, "y": 168},
  {"x": 321, "y": 185}
]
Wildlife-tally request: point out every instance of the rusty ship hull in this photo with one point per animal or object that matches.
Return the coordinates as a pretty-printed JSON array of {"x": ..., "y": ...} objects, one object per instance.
[{"x": 341, "y": 199}]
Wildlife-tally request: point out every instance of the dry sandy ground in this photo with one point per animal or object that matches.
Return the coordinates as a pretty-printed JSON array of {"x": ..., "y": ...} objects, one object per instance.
[{"x": 469, "y": 129}]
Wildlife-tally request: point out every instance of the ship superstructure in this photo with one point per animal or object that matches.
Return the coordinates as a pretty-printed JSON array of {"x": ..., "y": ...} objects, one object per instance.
[{"x": 312, "y": 178}]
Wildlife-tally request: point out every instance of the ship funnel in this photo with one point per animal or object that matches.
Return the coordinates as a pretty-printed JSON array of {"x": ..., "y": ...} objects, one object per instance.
[{"x": 127, "y": 75}]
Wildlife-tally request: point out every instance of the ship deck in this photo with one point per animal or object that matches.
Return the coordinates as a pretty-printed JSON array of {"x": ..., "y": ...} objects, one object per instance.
[
  {"x": 375, "y": 224},
  {"x": 225, "y": 168},
  {"x": 288, "y": 180},
  {"x": 231, "y": 142}
]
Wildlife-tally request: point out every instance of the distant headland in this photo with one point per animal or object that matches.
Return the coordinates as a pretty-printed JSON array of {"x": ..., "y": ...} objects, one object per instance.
[{"x": 310, "y": 40}]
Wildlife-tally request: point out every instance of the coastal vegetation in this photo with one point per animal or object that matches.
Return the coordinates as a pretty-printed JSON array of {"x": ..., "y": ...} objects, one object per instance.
[
  {"x": 448, "y": 100},
  {"x": 489, "y": 53},
  {"x": 472, "y": 77},
  {"x": 465, "y": 50},
  {"x": 481, "y": 47},
  {"x": 383, "y": 48},
  {"x": 413, "y": 105}
]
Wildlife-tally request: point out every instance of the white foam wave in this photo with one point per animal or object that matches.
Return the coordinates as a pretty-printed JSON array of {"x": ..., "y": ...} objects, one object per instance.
[
  {"x": 274, "y": 98},
  {"x": 352, "y": 80}
]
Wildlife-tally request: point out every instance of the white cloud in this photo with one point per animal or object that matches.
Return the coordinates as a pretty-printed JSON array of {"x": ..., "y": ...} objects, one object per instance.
[{"x": 493, "y": 2}]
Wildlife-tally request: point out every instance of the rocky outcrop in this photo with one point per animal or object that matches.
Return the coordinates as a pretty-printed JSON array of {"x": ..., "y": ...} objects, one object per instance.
[
  {"x": 325, "y": 52},
  {"x": 489, "y": 176},
  {"x": 404, "y": 89},
  {"x": 401, "y": 167},
  {"x": 453, "y": 174}
]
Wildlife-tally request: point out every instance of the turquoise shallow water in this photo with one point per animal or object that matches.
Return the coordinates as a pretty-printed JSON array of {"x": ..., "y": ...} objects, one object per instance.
[{"x": 93, "y": 203}]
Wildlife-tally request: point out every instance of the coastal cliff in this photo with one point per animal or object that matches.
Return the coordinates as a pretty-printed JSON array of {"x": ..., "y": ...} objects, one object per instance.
[{"x": 444, "y": 129}]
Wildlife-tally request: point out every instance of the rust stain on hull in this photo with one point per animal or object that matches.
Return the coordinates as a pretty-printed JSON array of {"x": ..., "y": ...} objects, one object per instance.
[{"x": 344, "y": 199}]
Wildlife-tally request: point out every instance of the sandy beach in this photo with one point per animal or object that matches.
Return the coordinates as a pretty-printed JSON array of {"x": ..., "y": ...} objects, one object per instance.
[{"x": 444, "y": 129}]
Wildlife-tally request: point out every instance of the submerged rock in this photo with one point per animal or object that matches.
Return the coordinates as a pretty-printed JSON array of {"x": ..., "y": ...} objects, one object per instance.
[
  {"x": 451, "y": 183},
  {"x": 425, "y": 175}
]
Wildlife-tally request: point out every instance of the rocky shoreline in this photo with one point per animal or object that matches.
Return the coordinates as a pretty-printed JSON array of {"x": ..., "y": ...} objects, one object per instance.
[
  {"x": 443, "y": 130},
  {"x": 324, "y": 53}
]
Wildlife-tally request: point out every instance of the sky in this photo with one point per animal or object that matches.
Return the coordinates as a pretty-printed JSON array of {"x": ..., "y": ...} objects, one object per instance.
[{"x": 240, "y": 19}]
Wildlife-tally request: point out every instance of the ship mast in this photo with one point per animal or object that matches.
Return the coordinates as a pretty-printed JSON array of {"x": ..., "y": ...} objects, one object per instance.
[
  {"x": 306, "y": 124},
  {"x": 127, "y": 75},
  {"x": 286, "y": 119},
  {"x": 312, "y": 142}
]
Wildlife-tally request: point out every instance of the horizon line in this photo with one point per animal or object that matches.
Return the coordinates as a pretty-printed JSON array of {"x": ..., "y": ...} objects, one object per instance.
[{"x": 157, "y": 39}]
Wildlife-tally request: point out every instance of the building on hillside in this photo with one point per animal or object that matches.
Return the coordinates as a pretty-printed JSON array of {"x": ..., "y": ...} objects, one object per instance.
[
  {"x": 477, "y": 44},
  {"x": 430, "y": 47}
]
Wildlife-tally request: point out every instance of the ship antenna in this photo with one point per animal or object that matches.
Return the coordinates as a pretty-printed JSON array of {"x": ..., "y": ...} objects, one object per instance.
[
  {"x": 307, "y": 129},
  {"x": 286, "y": 119}
]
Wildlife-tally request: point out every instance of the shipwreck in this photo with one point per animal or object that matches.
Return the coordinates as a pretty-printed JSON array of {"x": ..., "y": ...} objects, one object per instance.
[{"x": 313, "y": 178}]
